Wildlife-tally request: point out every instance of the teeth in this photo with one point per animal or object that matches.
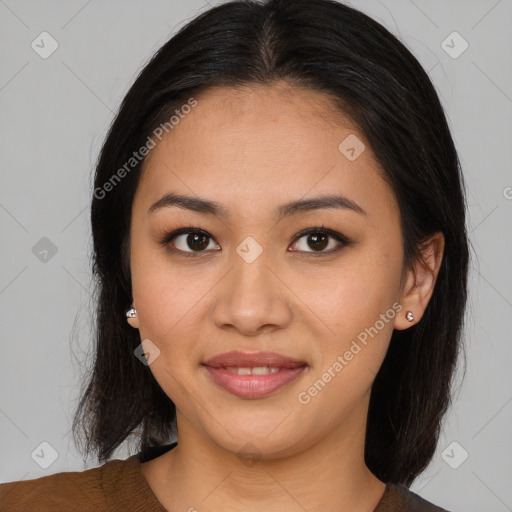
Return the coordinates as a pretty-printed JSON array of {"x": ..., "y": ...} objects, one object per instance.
[
  {"x": 263, "y": 370},
  {"x": 257, "y": 370}
]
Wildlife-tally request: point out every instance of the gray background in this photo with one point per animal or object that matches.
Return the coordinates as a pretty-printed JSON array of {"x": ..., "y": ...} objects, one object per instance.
[{"x": 54, "y": 116}]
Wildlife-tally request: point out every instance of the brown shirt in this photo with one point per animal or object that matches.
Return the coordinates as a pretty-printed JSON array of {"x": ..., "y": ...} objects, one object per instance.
[{"x": 120, "y": 485}]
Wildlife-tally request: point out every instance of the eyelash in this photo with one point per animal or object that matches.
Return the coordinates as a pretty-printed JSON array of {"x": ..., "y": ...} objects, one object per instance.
[{"x": 341, "y": 239}]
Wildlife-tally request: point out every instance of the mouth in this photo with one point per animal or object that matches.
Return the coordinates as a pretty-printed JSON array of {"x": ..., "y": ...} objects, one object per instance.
[{"x": 253, "y": 375}]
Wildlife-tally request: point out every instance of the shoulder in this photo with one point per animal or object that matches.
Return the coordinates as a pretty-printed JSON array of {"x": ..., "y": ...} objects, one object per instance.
[
  {"x": 398, "y": 497},
  {"x": 102, "y": 488}
]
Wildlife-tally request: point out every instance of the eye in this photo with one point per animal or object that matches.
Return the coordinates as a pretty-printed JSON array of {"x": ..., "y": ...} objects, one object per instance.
[
  {"x": 194, "y": 241},
  {"x": 318, "y": 239},
  {"x": 189, "y": 241}
]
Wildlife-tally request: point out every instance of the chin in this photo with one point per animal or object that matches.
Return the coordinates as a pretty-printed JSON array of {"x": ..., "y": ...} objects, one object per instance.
[{"x": 257, "y": 443}]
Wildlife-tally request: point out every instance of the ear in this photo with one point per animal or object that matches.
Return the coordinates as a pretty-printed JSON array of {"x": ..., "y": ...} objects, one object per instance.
[
  {"x": 420, "y": 281},
  {"x": 134, "y": 321}
]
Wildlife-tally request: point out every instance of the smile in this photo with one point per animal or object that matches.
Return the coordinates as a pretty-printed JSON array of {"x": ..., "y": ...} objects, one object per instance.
[{"x": 255, "y": 382}]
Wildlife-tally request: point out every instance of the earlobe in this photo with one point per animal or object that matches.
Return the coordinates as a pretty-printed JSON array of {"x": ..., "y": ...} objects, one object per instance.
[
  {"x": 131, "y": 317},
  {"x": 420, "y": 282}
]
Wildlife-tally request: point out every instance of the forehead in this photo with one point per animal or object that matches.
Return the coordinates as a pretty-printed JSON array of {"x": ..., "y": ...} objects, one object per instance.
[
  {"x": 251, "y": 100},
  {"x": 264, "y": 110},
  {"x": 284, "y": 118},
  {"x": 262, "y": 144}
]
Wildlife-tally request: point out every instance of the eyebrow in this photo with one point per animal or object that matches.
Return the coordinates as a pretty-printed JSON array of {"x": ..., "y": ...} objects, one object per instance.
[{"x": 209, "y": 207}]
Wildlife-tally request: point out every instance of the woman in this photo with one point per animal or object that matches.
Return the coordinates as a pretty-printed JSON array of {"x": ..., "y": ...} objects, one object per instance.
[{"x": 281, "y": 257}]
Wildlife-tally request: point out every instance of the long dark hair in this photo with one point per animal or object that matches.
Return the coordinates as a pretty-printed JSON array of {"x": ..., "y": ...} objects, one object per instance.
[{"x": 328, "y": 47}]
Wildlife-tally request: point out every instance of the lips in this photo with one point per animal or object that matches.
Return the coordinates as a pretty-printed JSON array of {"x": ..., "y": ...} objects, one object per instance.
[
  {"x": 253, "y": 375},
  {"x": 237, "y": 359}
]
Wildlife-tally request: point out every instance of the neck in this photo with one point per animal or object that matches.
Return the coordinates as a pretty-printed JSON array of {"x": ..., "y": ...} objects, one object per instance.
[{"x": 329, "y": 474}]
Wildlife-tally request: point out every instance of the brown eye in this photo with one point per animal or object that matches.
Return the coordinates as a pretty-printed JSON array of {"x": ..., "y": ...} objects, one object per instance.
[
  {"x": 196, "y": 242},
  {"x": 189, "y": 241},
  {"x": 316, "y": 240}
]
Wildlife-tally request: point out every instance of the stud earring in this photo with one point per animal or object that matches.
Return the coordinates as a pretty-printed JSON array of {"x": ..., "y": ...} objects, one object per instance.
[
  {"x": 409, "y": 316},
  {"x": 131, "y": 313}
]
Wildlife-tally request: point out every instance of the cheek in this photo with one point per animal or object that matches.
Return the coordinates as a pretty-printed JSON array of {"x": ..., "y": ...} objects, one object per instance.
[
  {"x": 168, "y": 309},
  {"x": 165, "y": 298},
  {"x": 358, "y": 302},
  {"x": 359, "y": 306},
  {"x": 358, "y": 292},
  {"x": 361, "y": 316}
]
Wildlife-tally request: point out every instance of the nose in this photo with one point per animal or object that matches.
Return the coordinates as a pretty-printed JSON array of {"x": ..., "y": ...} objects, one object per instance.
[{"x": 251, "y": 298}]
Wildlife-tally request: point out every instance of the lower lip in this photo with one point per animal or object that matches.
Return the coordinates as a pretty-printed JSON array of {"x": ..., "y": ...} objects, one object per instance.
[{"x": 253, "y": 386}]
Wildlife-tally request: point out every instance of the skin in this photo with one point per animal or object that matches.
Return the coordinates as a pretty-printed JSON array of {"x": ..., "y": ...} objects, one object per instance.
[{"x": 253, "y": 149}]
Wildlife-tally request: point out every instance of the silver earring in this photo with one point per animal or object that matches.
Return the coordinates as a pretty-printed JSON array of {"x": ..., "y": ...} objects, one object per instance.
[
  {"x": 131, "y": 313},
  {"x": 409, "y": 316}
]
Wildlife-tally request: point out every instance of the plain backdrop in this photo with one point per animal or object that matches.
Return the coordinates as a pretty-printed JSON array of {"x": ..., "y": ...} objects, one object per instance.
[{"x": 55, "y": 112}]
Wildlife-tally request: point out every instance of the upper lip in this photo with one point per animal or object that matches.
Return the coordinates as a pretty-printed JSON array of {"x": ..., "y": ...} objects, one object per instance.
[{"x": 250, "y": 360}]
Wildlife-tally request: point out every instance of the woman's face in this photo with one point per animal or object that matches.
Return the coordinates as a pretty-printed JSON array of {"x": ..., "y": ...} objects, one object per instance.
[{"x": 252, "y": 283}]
